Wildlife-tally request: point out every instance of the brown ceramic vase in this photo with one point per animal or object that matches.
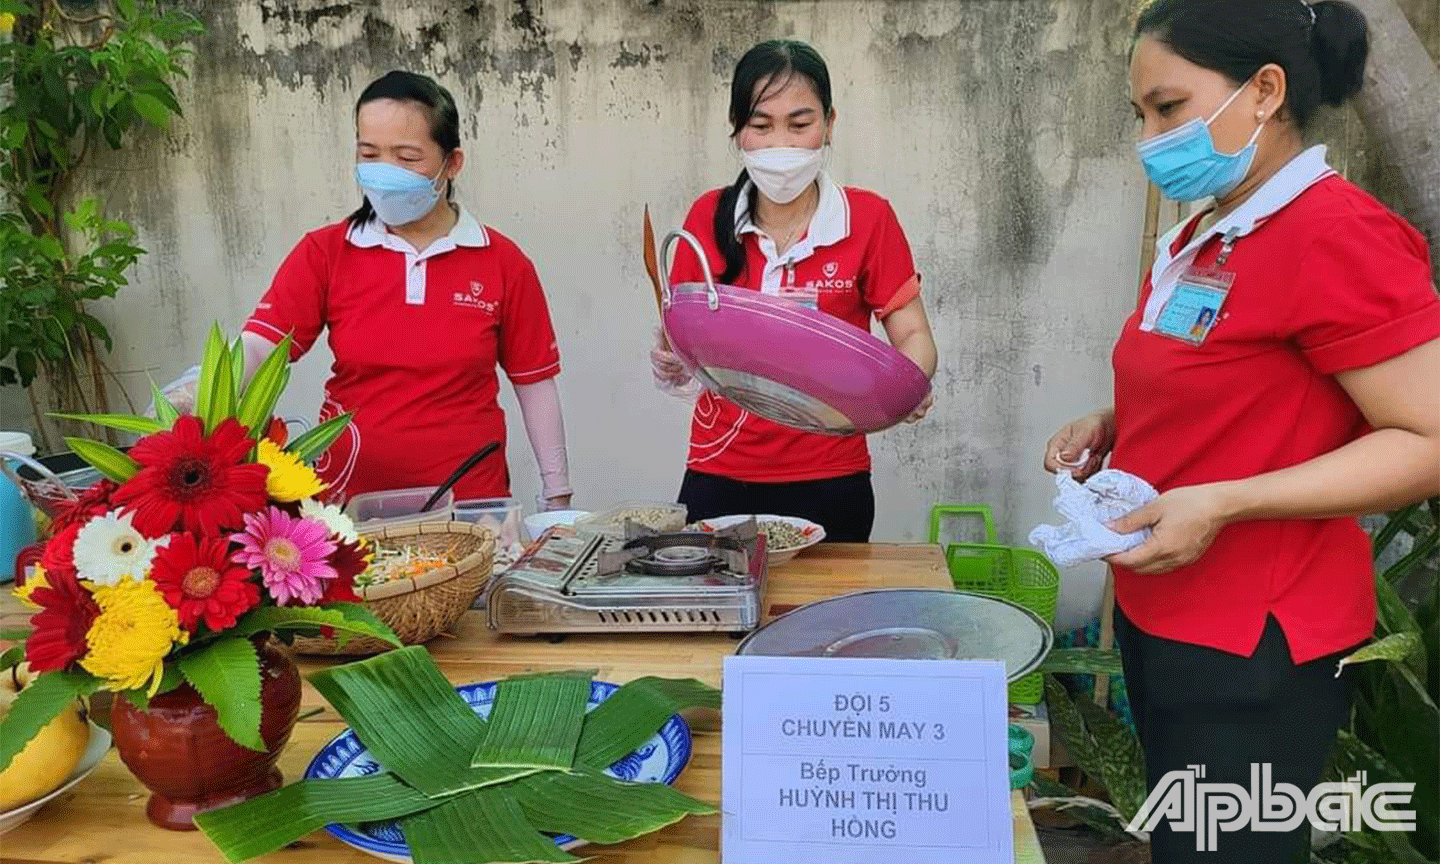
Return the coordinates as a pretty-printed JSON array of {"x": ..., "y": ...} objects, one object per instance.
[{"x": 176, "y": 747}]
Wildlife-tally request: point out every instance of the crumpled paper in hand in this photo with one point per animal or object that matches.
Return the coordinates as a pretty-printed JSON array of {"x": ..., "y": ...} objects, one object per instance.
[{"x": 1089, "y": 507}]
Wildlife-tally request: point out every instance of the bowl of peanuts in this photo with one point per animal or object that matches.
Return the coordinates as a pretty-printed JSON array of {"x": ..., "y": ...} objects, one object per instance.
[{"x": 785, "y": 536}]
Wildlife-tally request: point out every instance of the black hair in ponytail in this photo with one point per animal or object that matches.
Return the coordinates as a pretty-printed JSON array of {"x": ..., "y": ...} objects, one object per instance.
[
  {"x": 1322, "y": 46},
  {"x": 776, "y": 62},
  {"x": 439, "y": 108}
]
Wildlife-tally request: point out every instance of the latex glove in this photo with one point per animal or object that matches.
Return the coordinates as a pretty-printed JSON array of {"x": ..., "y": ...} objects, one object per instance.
[
  {"x": 558, "y": 502},
  {"x": 1081, "y": 446},
  {"x": 180, "y": 392},
  {"x": 670, "y": 373}
]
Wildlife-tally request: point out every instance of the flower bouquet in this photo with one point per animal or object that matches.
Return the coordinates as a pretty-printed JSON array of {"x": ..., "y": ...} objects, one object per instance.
[{"x": 166, "y": 581}]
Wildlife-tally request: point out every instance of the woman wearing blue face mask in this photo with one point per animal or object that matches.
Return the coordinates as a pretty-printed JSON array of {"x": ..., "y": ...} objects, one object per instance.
[
  {"x": 1277, "y": 380},
  {"x": 421, "y": 303}
]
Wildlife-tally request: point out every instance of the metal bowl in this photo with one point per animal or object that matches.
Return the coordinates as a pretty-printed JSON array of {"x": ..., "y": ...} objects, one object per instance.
[
  {"x": 786, "y": 362},
  {"x": 909, "y": 624}
]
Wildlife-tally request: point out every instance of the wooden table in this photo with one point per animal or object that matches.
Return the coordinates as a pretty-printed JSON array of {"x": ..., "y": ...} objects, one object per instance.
[{"x": 103, "y": 819}]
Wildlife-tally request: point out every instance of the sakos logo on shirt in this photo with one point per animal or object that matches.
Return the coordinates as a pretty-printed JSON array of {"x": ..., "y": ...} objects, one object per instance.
[
  {"x": 830, "y": 269},
  {"x": 473, "y": 299}
]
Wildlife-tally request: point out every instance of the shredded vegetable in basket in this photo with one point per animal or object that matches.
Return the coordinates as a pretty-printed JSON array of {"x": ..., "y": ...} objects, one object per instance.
[{"x": 406, "y": 562}]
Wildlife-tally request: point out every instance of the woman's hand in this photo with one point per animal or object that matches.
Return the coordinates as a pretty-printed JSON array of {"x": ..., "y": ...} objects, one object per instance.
[
  {"x": 1183, "y": 523},
  {"x": 1093, "y": 432},
  {"x": 922, "y": 409}
]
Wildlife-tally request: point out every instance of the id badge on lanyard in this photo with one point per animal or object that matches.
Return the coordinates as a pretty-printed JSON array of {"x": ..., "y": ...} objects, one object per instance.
[
  {"x": 1195, "y": 305},
  {"x": 807, "y": 297}
]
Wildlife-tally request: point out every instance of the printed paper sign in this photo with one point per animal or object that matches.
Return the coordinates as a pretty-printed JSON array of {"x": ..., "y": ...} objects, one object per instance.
[{"x": 852, "y": 761}]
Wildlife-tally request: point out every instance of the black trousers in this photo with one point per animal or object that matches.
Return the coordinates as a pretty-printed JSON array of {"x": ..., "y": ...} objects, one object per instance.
[
  {"x": 843, "y": 506},
  {"x": 1199, "y": 706}
]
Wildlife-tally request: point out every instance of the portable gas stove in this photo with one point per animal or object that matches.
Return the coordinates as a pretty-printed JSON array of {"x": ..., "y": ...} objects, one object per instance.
[{"x": 596, "y": 582}]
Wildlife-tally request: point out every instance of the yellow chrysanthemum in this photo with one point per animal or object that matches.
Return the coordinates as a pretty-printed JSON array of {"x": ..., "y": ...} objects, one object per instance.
[
  {"x": 132, "y": 635},
  {"x": 7, "y": 23},
  {"x": 32, "y": 582},
  {"x": 289, "y": 479}
]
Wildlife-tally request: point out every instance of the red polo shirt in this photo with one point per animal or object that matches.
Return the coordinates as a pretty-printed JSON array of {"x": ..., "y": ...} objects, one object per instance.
[
  {"x": 1331, "y": 282},
  {"x": 417, "y": 338},
  {"x": 854, "y": 263}
]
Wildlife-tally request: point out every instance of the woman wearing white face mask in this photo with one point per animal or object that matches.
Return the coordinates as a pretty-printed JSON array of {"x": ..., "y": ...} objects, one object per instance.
[
  {"x": 786, "y": 228},
  {"x": 421, "y": 303}
]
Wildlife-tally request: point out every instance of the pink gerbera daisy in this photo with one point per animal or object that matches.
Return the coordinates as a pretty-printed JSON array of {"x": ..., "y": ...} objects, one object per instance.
[{"x": 290, "y": 552}]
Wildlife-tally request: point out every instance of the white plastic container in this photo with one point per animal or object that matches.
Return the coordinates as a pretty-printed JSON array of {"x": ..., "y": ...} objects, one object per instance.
[
  {"x": 372, "y": 510},
  {"x": 537, "y": 523},
  {"x": 501, "y": 515},
  {"x": 662, "y": 516}
]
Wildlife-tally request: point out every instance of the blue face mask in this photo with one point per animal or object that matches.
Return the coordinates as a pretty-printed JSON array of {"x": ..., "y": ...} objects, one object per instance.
[
  {"x": 398, "y": 195},
  {"x": 1185, "y": 165}
]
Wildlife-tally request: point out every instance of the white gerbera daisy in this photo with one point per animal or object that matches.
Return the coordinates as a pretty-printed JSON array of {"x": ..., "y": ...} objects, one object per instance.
[
  {"x": 108, "y": 548},
  {"x": 332, "y": 517}
]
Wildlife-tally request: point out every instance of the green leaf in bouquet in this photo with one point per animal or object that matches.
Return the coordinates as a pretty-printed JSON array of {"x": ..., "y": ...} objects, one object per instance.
[
  {"x": 309, "y": 446},
  {"x": 38, "y": 704},
  {"x": 165, "y": 411},
  {"x": 16, "y": 634},
  {"x": 215, "y": 361},
  {"x": 600, "y": 808},
  {"x": 349, "y": 620},
  {"x": 535, "y": 722},
  {"x": 1082, "y": 661},
  {"x": 631, "y": 715},
  {"x": 257, "y": 403},
  {"x": 11, "y": 658},
  {"x": 412, "y": 720},
  {"x": 237, "y": 368},
  {"x": 276, "y": 819},
  {"x": 123, "y": 422},
  {"x": 171, "y": 678},
  {"x": 484, "y": 825},
  {"x": 222, "y": 402},
  {"x": 104, "y": 458},
  {"x": 226, "y": 673}
]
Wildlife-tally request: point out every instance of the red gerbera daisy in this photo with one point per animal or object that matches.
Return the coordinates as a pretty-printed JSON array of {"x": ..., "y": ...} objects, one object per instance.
[
  {"x": 58, "y": 558},
  {"x": 94, "y": 501},
  {"x": 348, "y": 559},
  {"x": 201, "y": 583},
  {"x": 66, "y": 612},
  {"x": 193, "y": 481}
]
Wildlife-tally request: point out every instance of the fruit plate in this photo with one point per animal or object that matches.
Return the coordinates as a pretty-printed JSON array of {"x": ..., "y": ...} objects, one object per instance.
[
  {"x": 659, "y": 760},
  {"x": 94, "y": 752},
  {"x": 774, "y": 557}
]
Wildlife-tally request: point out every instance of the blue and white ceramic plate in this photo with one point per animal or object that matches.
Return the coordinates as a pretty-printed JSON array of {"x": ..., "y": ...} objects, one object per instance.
[{"x": 659, "y": 760}]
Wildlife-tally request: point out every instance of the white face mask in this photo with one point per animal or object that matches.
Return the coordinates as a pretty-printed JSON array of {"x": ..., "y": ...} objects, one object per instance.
[{"x": 782, "y": 173}]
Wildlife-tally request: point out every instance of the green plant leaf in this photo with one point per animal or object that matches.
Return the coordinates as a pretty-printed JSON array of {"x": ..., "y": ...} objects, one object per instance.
[
  {"x": 535, "y": 722},
  {"x": 226, "y": 673},
  {"x": 1397, "y": 647},
  {"x": 210, "y": 365},
  {"x": 276, "y": 819},
  {"x": 601, "y": 809},
  {"x": 16, "y": 634},
  {"x": 104, "y": 458},
  {"x": 1066, "y": 721},
  {"x": 1121, "y": 761},
  {"x": 351, "y": 619},
  {"x": 171, "y": 678},
  {"x": 1391, "y": 612},
  {"x": 484, "y": 825},
  {"x": 11, "y": 658},
  {"x": 123, "y": 422},
  {"x": 1100, "y": 820},
  {"x": 411, "y": 719},
  {"x": 165, "y": 412},
  {"x": 237, "y": 368},
  {"x": 315, "y": 442},
  {"x": 257, "y": 404},
  {"x": 631, "y": 715},
  {"x": 38, "y": 704},
  {"x": 1082, "y": 661},
  {"x": 126, "y": 8}
]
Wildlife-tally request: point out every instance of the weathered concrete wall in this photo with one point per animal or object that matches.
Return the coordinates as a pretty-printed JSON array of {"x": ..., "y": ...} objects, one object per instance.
[{"x": 999, "y": 129}]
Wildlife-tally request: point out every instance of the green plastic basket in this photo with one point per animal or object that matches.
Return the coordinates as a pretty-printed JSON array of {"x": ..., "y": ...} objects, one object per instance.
[{"x": 990, "y": 569}]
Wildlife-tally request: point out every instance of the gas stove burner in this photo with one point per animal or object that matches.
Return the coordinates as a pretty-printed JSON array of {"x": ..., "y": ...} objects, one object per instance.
[{"x": 676, "y": 561}]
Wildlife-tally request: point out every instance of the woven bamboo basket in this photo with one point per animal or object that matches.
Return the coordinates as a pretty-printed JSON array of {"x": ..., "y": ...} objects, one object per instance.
[{"x": 421, "y": 608}]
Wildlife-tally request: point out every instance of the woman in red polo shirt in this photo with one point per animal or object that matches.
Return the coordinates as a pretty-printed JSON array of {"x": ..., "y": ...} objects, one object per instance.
[
  {"x": 786, "y": 228},
  {"x": 421, "y": 303},
  {"x": 1305, "y": 397}
]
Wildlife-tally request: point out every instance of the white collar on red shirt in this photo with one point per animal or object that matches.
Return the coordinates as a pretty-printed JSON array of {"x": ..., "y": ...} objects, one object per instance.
[
  {"x": 466, "y": 232},
  {"x": 830, "y": 224},
  {"x": 1287, "y": 184}
]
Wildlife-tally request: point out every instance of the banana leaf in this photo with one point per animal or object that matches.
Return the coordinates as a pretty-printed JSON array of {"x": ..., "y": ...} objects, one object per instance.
[
  {"x": 631, "y": 715},
  {"x": 535, "y": 722},
  {"x": 483, "y": 825},
  {"x": 601, "y": 809}
]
